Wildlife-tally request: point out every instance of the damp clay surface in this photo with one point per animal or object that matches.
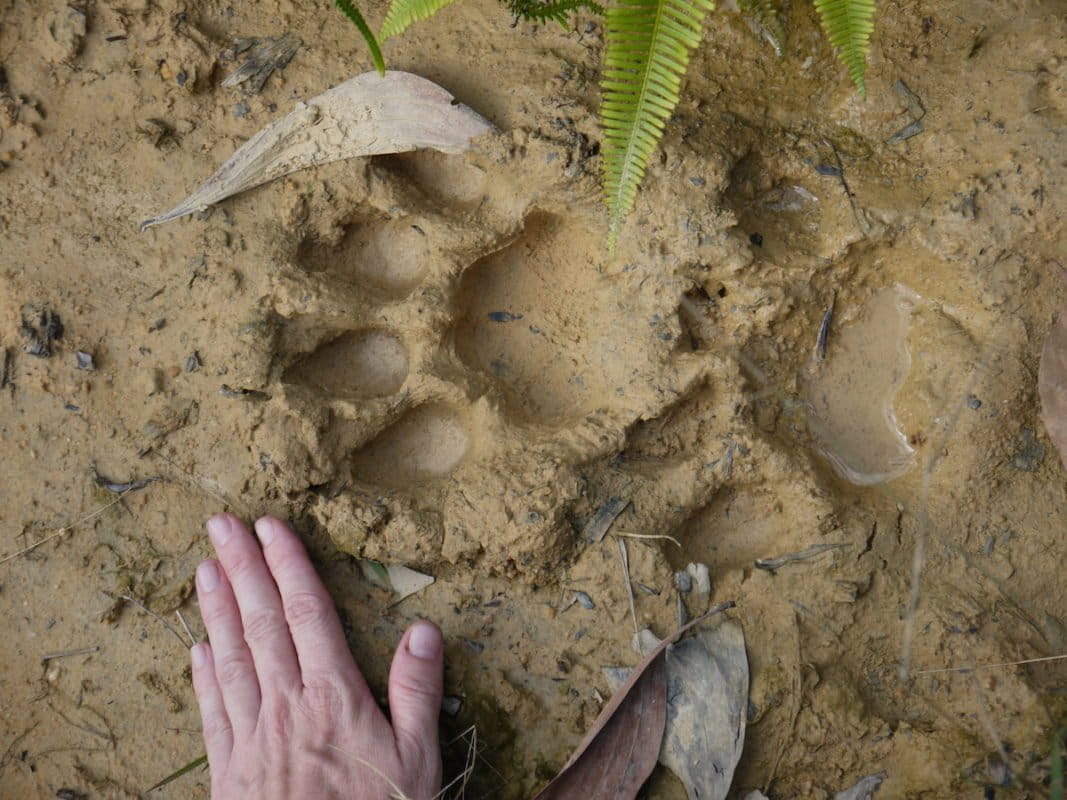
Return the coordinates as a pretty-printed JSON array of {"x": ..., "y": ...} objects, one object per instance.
[{"x": 432, "y": 361}]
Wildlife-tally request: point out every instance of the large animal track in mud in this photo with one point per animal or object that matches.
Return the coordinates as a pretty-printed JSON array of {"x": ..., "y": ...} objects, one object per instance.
[{"x": 455, "y": 371}]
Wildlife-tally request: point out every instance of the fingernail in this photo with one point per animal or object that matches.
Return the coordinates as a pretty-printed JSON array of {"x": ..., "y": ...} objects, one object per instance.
[
  {"x": 265, "y": 530},
  {"x": 207, "y": 576},
  {"x": 424, "y": 641},
  {"x": 218, "y": 528},
  {"x": 198, "y": 655}
]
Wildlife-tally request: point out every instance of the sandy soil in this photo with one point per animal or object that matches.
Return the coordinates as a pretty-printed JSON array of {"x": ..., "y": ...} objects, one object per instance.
[{"x": 328, "y": 347}]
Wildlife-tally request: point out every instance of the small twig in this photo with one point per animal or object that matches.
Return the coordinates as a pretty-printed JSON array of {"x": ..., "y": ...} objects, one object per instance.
[
  {"x": 773, "y": 564},
  {"x": 861, "y": 223},
  {"x": 81, "y": 651},
  {"x": 629, "y": 535},
  {"x": 185, "y": 625},
  {"x": 824, "y": 328},
  {"x": 990, "y": 666},
  {"x": 63, "y": 530},
  {"x": 149, "y": 611},
  {"x": 625, "y": 557},
  {"x": 604, "y": 518}
]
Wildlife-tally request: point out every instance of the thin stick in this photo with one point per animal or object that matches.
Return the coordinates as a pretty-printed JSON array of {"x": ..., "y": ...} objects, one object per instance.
[
  {"x": 185, "y": 625},
  {"x": 61, "y": 531},
  {"x": 990, "y": 666},
  {"x": 629, "y": 535},
  {"x": 81, "y": 651},
  {"x": 626, "y": 578},
  {"x": 162, "y": 621}
]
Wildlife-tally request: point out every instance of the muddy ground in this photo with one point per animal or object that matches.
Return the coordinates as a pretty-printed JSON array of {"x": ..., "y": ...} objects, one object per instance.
[{"x": 327, "y": 348}]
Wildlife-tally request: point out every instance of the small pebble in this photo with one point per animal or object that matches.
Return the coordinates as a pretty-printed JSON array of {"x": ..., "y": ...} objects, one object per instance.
[
  {"x": 973, "y": 402},
  {"x": 84, "y": 360},
  {"x": 584, "y": 600},
  {"x": 451, "y": 704},
  {"x": 696, "y": 181},
  {"x": 684, "y": 582}
]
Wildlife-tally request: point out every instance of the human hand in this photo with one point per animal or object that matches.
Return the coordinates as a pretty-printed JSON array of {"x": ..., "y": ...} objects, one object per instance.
[{"x": 286, "y": 712}]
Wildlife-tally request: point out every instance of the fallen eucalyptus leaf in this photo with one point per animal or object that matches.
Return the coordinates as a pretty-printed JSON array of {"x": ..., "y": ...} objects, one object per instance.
[
  {"x": 1052, "y": 384},
  {"x": 406, "y": 581},
  {"x": 707, "y": 687},
  {"x": 367, "y": 115},
  {"x": 620, "y": 751}
]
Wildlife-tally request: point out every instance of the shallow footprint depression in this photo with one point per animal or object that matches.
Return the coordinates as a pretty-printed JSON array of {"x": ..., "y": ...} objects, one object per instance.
[
  {"x": 356, "y": 365},
  {"x": 427, "y": 443},
  {"x": 388, "y": 255},
  {"x": 559, "y": 341},
  {"x": 850, "y": 394}
]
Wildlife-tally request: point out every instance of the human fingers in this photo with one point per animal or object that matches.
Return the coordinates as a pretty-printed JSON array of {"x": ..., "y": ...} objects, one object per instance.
[
  {"x": 235, "y": 671},
  {"x": 262, "y": 617},
  {"x": 416, "y": 680},
  {"x": 314, "y": 625},
  {"x": 218, "y": 733}
]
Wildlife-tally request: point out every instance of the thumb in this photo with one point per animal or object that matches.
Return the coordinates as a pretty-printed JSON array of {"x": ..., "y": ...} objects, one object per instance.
[{"x": 415, "y": 688}]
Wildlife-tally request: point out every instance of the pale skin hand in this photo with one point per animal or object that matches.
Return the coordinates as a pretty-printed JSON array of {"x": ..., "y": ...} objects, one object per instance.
[{"x": 285, "y": 709}]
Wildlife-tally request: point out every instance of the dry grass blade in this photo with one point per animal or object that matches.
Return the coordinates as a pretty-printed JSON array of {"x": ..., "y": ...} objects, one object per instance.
[
  {"x": 196, "y": 762},
  {"x": 63, "y": 530}
]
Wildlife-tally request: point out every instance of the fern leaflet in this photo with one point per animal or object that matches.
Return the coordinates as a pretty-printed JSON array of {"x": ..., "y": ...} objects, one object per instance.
[
  {"x": 649, "y": 43},
  {"x": 353, "y": 14},
  {"x": 404, "y": 12},
  {"x": 550, "y": 10},
  {"x": 848, "y": 25},
  {"x": 765, "y": 13}
]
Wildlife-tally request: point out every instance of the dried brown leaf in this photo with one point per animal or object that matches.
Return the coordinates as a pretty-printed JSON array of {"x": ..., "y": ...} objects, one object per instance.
[{"x": 621, "y": 749}]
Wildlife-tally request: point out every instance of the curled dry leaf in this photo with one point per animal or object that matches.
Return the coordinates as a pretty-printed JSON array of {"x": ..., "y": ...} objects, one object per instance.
[
  {"x": 1052, "y": 384},
  {"x": 368, "y": 115},
  {"x": 621, "y": 749}
]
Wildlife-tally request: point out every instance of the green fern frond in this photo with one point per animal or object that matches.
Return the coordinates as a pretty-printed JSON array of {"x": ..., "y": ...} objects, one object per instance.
[
  {"x": 404, "y": 12},
  {"x": 550, "y": 10},
  {"x": 649, "y": 43},
  {"x": 848, "y": 25},
  {"x": 353, "y": 14},
  {"x": 765, "y": 13}
]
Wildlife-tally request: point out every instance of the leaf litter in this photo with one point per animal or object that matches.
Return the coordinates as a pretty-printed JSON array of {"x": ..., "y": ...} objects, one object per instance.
[
  {"x": 707, "y": 687},
  {"x": 622, "y": 748},
  {"x": 367, "y": 115}
]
